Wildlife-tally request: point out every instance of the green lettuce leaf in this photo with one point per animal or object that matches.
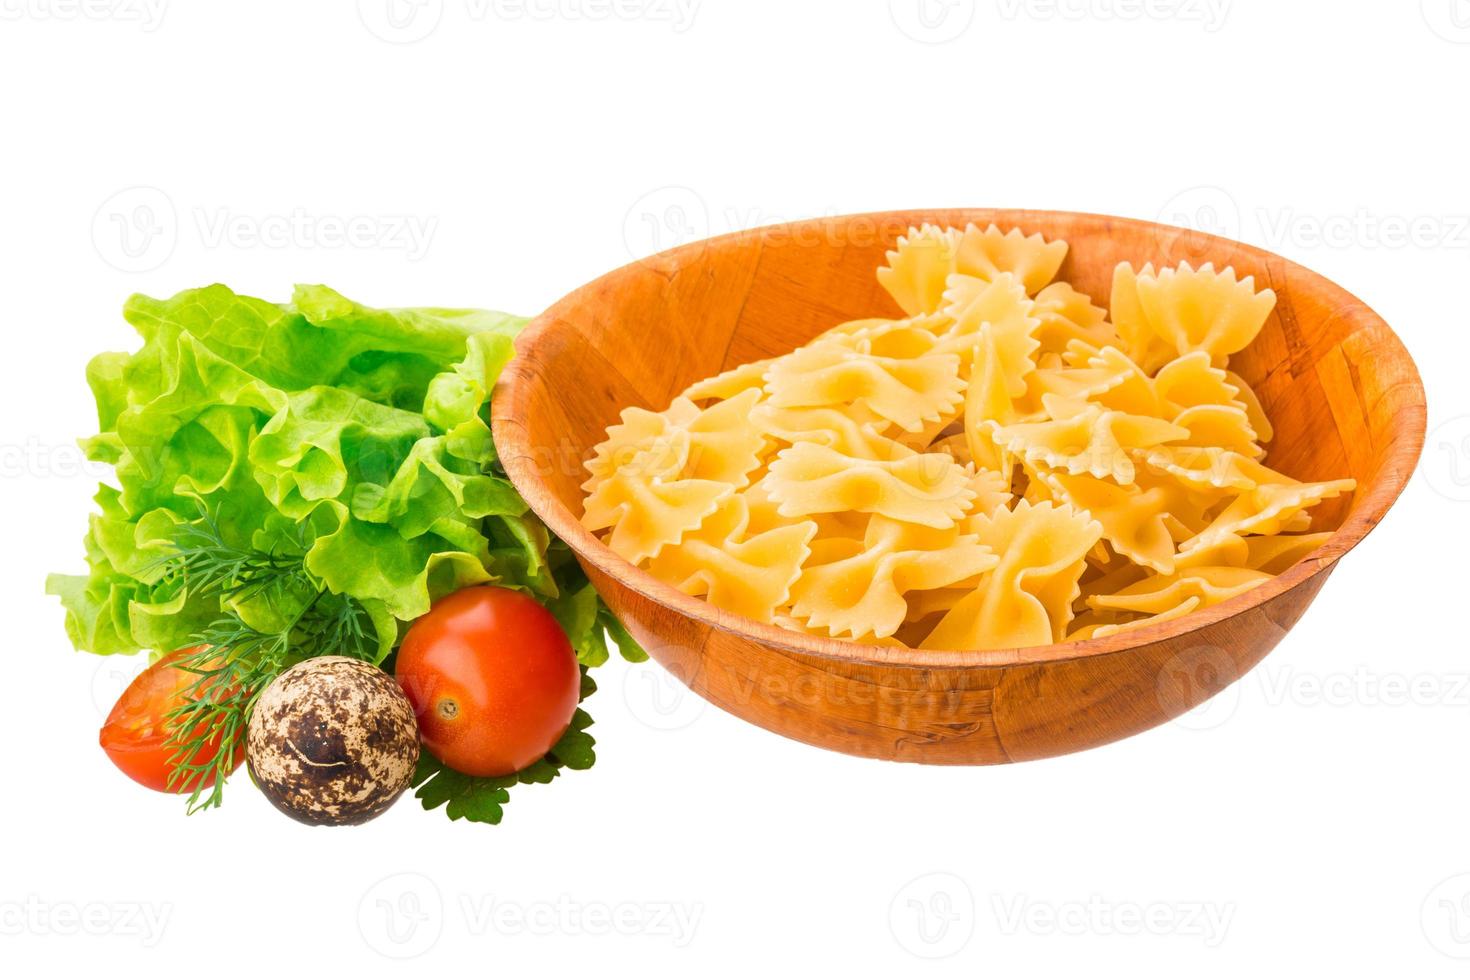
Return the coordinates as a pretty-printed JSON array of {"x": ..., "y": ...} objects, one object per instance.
[{"x": 361, "y": 432}]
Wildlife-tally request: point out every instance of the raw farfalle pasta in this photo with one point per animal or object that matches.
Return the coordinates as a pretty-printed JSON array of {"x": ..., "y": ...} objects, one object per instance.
[{"x": 1009, "y": 463}]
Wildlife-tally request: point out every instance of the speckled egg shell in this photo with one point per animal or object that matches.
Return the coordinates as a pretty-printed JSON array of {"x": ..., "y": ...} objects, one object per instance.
[{"x": 332, "y": 741}]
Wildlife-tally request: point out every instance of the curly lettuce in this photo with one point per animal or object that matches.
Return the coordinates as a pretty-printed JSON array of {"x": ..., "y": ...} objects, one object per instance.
[{"x": 360, "y": 431}]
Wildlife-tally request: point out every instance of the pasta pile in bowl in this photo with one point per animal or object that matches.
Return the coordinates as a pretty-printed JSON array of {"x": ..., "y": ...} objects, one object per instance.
[{"x": 1006, "y": 465}]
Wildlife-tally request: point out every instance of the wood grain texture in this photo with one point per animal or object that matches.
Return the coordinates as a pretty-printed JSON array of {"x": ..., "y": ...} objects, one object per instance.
[{"x": 1343, "y": 394}]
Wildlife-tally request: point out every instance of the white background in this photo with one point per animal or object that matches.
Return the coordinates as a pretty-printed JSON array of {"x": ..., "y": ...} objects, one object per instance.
[{"x": 1311, "y": 818}]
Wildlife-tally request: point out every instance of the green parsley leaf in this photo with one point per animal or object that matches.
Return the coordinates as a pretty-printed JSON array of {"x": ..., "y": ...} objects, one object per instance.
[{"x": 481, "y": 799}]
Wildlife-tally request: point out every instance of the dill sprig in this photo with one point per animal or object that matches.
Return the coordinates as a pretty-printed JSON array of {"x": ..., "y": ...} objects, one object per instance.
[{"x": 237, "y": 660}]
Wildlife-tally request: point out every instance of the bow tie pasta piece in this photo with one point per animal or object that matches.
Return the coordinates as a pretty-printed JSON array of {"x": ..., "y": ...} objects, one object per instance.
[
  {"x": 1275, "y": 553},
  {"x": 1267, "y": 509},
  {"x": 1209, "y": 584},
  {"x": 1109, "y": 378},
  {"x": 1269, "y": 553},
  {"x": 848, "y": 525},
  {"x": 797, "y": 626},
  {"x": 932, "y": 323},
  {"x": 862, "y": 591},
  {"x": 930, "y": 489},
  {"x": 1186, "y": 310},
  {"x": 992, "y": 491},
  {"x": 993, "y": 331},
  {"x": 747, "y": 574},
  {"x": 925, "y": 257},
  {"x": 646, "y": 512},
  {"x": 1026, "y": 600},
  {"x": 728, "y": 384},
  {"x": 1211, "y": 469},
  {"x": 1190, "y": 380},
  {"x": 999, "y": 309},
  {"x": 1133, "y": 391},
  {"x": 662, "y": 445},
  {"x": 717, "y": 443},
  {"x": 1085, "y": 625},
  {"x": 917, "y": 269},
  {"x": 907, "y": 391},
  {"x": 1253, "y": 409},
  {"x": 932, "y": 435},
  {"x": 1085, "y": 439},
  {"x": 723, "y": 443},
  {"x": 1066, "y": 315},
  {"x": 1224, "y": 427},
  {"x": 851, "y": 431},
  {"x": 1132, "y": 520},
  {"x": 1111, "y": 629},
  {"x": 761, "y": 508},
  {"x": 1187, "y": 510},
  {"x": 1079, "y": 353},
  {"x": 1105, "y": 580},
  {"x": 990, "y": 253},
  {"x": 931, "y": 604},
  {"x": 855, "y": 328},
  {"x": 1140, "y": 342},
  {"x": 988, "y": 402}
]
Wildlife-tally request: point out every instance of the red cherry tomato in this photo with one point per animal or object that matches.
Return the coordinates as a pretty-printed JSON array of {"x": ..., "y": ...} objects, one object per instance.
[
  {"x": 136, "y": 733},
  {"x": 492, "y": 678}
]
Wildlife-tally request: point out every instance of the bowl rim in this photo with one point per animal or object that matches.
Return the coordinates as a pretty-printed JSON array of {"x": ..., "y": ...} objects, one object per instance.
[{"x": 1368, "y": 506}]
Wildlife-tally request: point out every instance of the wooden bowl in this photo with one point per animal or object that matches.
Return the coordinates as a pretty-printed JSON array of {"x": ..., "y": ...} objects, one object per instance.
[{"x": 1343, "y": 394}]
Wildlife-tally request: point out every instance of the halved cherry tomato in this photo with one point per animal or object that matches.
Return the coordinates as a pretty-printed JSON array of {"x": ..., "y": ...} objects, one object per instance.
[
  {"x": 492, "y": 678},
  {"x": 136, "y": 733}
]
